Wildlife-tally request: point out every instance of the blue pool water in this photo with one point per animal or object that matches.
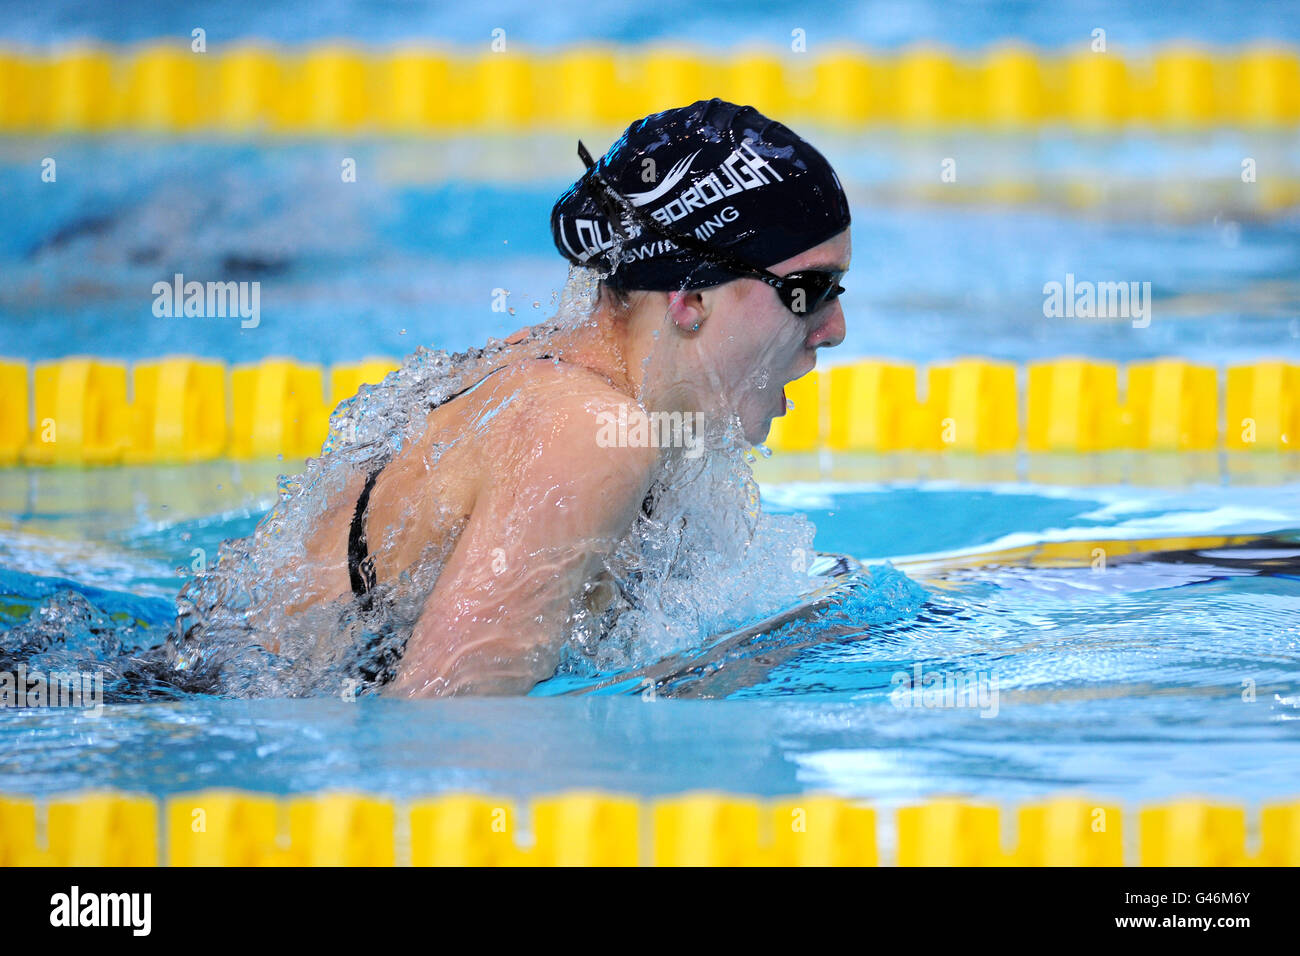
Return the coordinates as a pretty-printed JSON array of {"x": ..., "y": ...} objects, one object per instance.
[
  {"x": 1174, "y": 670},
  {"x": 414, "y": 251},
  {"x": 1127, "y": 682},
  {"x": 884, "y": 24}
]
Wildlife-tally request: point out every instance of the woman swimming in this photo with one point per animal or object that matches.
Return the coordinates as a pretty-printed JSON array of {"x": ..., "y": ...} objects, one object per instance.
[{"x": 459, "y": 555}]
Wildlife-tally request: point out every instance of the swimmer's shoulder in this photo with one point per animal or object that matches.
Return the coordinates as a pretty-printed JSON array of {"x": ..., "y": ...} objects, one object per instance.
[
  {"x": 565, "y": 406},
  {"x": 551, "y": 388}
]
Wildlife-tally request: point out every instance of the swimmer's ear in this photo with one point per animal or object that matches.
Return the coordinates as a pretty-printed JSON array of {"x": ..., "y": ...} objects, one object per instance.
[{"x": 688, "y": 310}]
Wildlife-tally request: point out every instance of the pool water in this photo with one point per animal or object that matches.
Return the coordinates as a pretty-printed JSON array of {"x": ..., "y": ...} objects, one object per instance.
[
  {"x": 415, "y": 251},
  {"x": 964, "y": 24},
  {"x": 1144, "y": 678},
  {"x": 1128, "y": 626}
]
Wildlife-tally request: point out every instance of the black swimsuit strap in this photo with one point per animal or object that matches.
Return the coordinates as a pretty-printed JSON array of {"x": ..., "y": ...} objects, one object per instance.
[{"x": 361, "y": 564}]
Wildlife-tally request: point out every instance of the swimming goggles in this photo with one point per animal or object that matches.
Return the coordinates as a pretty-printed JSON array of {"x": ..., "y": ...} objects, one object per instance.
[{"x": 802, "y": 292}]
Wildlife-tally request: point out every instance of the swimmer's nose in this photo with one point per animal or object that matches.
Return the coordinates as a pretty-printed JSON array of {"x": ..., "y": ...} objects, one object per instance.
[{"x": 828, "y": 328}]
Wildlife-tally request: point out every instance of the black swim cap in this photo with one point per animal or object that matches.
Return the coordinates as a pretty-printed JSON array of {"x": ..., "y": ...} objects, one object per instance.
[{"x": 719, "y": 173}]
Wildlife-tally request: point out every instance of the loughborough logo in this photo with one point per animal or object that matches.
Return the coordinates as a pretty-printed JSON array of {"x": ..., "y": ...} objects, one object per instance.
[
  {"x": 743, "y": 170},
  {"x": 680, "y": 169}
]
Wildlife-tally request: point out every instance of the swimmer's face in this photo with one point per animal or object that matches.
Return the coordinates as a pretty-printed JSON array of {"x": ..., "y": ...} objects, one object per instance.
[{"x": 756, "y": 346}]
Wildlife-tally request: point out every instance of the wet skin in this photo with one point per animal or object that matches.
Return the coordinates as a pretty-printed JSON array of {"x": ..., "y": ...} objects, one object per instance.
[{"x": 509, "y": 482}]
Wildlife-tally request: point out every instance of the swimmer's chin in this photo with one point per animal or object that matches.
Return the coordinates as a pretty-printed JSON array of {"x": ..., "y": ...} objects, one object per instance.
[
  {"x": 759, "y": 433},
  {"x": 757, "y": 436}
]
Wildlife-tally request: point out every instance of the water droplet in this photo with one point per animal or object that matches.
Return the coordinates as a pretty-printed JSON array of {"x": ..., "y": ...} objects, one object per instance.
[
  {"x": 764, "y": 451},
  {"x": 402, "y": 332},
  {"x": 789, "y": 405}
]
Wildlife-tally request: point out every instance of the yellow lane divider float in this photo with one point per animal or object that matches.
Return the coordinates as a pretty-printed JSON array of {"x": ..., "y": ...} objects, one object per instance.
[
  {"x": 1070, "y": 405},
  {"x": 84, "y": 411},
  {"x": 231, "y": 828},
  {"x": 165, "y": 86}
]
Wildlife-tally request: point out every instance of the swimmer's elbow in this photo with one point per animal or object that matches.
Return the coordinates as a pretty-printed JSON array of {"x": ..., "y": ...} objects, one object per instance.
[{"x": 482, "y": 665}]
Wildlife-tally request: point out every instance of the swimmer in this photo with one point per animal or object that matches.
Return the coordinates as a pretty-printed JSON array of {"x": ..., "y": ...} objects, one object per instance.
[{"x": 722, "y": 239}]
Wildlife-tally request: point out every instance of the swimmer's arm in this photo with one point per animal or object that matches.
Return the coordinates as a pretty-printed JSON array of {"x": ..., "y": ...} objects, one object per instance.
[{"x": 495, "y": 621}]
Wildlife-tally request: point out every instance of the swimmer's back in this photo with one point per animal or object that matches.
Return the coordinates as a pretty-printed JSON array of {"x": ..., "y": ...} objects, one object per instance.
[
  {"x": 472, "y": 442},
  {"x": 548, "y": 503},
  {"x": 520, "y": 443}
]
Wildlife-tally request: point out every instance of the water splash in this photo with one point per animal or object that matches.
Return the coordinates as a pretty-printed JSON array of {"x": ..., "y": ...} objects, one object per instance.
[
  {"x": 256, "y": 591},
  {"x": 706, "y": 559},
  {"x": 702, "y": 557},
  {"x": 69, "y": 634}
]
